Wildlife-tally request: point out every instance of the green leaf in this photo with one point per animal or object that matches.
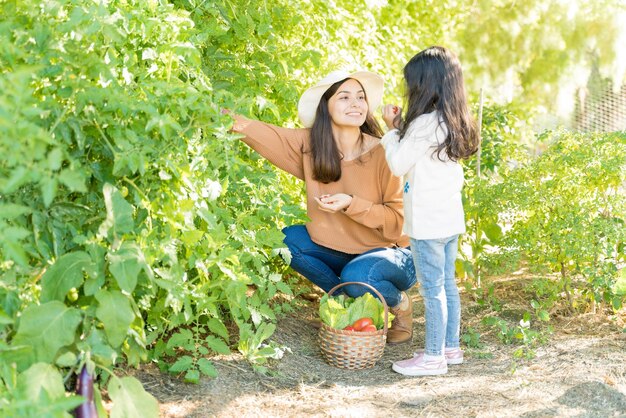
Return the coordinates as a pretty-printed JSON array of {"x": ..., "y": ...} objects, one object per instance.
[
  {"x": 493, "y": 231},
  {"x": 333, "y": 313},
  {"x": 67, "y": 359},
  {"x": 12, "y": 211},
  {"x": 119, "y": 219},
  {"x": 183, "y": 338},
  {"x": 19, "y": 176},
  {"x": 101, "y": 351},
  {"x": 131, "y": 400},
  {"x": 192, "y": 376},
  {"x": 63, "y": 275},
  {"x": 15, "y": 252},
  {"x": 116, "y": 314},
  {"x": 183, "y": 363},
  {"x": 4, "y": 318},
  {"x": 41, "y": 377},
  {"x": 125, "y": 265},
  {"x": 75, "y": 181},
  {"x": 55, "y": 159},
  {"x": 366, "y": 306},
  {"x": 620, "y": 283},
  {"x": 217, "y": 345},
  {"x": 217, "y": 327},
  {"x": 264, "y": 331},
  {"x": 207, "y": 368},
  {"x": 47, "y": 328},
  {"x": 48, "y": 190}
]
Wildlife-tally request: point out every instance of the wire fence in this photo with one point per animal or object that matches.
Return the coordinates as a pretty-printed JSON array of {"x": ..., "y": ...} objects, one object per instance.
[{"x": 600, "y": 107}]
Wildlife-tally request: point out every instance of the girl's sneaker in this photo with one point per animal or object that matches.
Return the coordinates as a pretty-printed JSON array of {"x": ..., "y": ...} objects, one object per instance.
[
  {"x": 421, "y": 366},
  {"x": 453, "y": 355}
]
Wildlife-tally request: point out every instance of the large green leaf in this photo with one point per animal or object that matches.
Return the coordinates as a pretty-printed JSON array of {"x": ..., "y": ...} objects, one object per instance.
[
  {"x": 131, "y": 400},
  {"x": 116, "y": 314},
  {"x": 119, "y": 218},
  {"x": 65, "y": 274},
  {"x": 38, "y": 377},
  {"x": 125, "y": 265},
  {"x": 207, "y": 367},
  {"x": 47, "y": 328}
]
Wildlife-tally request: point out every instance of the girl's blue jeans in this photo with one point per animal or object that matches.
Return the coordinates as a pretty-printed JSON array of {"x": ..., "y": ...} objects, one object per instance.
[
  {"x": 388, "y": 270},
  {"x": 434, "y": 264}
]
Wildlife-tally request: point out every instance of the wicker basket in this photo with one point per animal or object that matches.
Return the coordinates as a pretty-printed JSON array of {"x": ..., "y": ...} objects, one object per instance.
[{"x": 353, "y": 349}]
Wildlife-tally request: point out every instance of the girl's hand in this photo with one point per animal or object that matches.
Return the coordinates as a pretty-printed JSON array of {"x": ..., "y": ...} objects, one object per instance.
[
  {"x": 391, "y": 113},
  {"x": 334, "y": 203}
]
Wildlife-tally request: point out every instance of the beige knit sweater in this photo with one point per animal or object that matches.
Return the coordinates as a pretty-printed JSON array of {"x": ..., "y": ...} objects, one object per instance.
[{"x": 375, "y": 215}]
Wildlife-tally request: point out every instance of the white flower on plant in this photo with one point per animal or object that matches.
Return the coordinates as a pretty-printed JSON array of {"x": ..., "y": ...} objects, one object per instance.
[
  {"x": 103, "y": 82},
  {"x": 127, "y": 76},
  {"x": 148, "y": 54},
  {"x": 524, "y": 324},
  {"x": 211, "y": 190}
]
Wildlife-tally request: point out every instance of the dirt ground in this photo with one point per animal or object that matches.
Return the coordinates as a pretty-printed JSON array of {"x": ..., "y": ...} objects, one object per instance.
[{"x": 580, "y": 371}]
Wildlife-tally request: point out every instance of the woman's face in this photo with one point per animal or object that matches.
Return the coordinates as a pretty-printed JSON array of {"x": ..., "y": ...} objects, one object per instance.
[{"x": 348, "y": 107}]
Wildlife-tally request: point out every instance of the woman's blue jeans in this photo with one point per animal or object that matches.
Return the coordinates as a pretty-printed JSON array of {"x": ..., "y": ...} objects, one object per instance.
[
  {"x": 388, "y": 270},
  {"x": 434, "y": 264}
]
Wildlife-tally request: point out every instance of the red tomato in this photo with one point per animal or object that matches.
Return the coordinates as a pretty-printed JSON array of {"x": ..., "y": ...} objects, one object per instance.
[
  {"x": 349, "y": 328},
  {"x": 368, "y": 328},
  {"x": 359, "y": 324}
]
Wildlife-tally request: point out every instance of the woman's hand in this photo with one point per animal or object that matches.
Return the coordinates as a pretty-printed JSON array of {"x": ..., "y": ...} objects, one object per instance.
[
  {"x": 391, "y": 113},
  {"x": 334, "y": 203}
]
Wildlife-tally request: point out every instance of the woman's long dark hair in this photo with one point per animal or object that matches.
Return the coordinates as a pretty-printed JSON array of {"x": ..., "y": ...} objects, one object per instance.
[
  {"x": 324, "y": 151},
  {"x": 434, "y": 81}
]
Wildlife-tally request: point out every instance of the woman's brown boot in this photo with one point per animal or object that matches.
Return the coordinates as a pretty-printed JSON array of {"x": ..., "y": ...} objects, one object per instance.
[{"x": 401, "y": 329}]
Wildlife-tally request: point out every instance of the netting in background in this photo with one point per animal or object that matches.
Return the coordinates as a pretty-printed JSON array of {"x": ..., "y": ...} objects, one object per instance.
[{"x": 599, "y": 108}]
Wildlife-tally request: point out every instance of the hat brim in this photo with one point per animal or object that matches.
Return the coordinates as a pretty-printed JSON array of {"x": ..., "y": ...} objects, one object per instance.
[{"x": 372, "y": 84}]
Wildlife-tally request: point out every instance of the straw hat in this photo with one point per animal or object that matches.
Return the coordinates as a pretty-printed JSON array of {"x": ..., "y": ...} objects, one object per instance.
[{"x": 310, "y": 99}]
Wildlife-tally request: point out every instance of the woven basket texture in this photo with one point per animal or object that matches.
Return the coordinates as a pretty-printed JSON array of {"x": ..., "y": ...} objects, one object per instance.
[{"x": 353, "y": 349}]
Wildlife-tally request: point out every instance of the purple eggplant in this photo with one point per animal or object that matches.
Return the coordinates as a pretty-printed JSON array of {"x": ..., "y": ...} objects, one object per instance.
[{"x": 84, "y": 388}]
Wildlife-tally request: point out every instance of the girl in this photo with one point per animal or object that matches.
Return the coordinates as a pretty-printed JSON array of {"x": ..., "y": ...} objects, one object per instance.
[
  {"x": 354, "y": 203},
  {"x": 425, "y": 147}
]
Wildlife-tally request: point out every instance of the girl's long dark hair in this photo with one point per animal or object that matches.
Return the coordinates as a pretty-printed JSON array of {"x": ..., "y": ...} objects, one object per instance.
[
  {"x": 434, "y": 81},
  {"x": 324, "y": 151}
]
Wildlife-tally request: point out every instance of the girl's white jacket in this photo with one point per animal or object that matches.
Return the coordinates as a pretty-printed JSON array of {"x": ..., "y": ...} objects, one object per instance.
[{"x": 433, "y": 207}]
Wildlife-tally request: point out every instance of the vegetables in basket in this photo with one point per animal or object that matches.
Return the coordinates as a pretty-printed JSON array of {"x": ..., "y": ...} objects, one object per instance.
[{"x": 342, "y": 311}]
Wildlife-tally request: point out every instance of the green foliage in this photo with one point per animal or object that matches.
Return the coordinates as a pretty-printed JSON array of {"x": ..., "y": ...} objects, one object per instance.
[
  {"x": 471, "y": 338},
  {"x": 564, "y": 210},
  {"x": 126, "y": 209},
  {"x": 505, "y": 145},
  {"x": 37, "y": 392},
  {"x": 521, "y": 334},
  {"x": 198, "y": 342},
  {"x": 547, "y": 41}
]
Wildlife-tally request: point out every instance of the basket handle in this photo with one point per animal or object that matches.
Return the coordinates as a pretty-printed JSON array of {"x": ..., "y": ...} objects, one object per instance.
[{"x": 380, "y": 297}]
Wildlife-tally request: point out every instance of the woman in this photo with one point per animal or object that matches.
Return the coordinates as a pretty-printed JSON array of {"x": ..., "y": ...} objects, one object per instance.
[{"x": 354, "y": 202}]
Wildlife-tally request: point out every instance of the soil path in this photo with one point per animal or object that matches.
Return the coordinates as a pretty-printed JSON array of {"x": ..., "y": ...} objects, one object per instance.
[{"x": 580, "y": 371}]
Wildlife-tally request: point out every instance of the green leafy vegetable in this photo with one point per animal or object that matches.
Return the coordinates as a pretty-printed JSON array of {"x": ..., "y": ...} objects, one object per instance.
[{"x": 340, "y": 311}]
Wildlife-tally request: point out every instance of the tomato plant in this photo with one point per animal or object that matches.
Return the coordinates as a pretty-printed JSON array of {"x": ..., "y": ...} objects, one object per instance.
[{"x": 133, "y": 225}]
